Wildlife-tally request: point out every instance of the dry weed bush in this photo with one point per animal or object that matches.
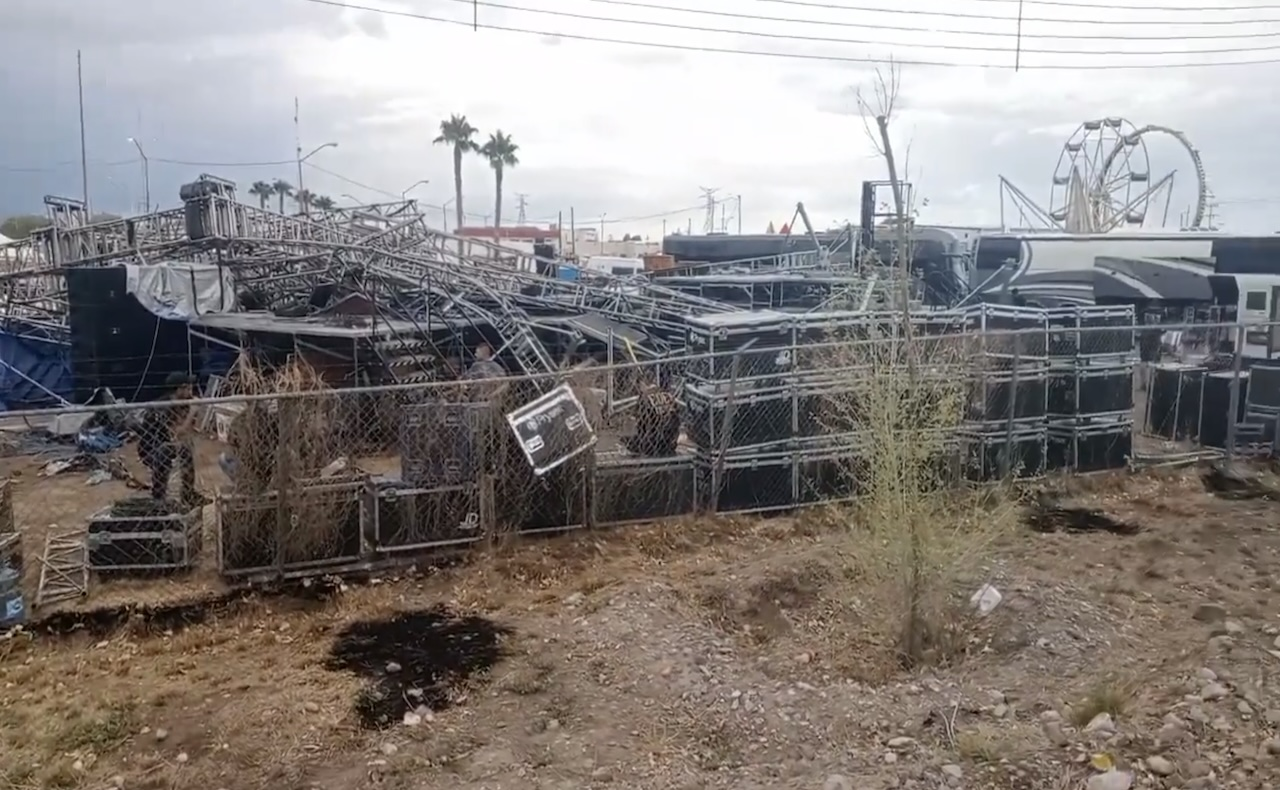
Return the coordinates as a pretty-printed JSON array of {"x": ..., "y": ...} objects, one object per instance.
[
  {"x": 282, "y": 444},
  {"x": 918, "y": 538}
]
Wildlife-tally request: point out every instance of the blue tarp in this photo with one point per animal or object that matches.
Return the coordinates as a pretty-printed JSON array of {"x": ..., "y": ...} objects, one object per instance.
[{"x": 35, "y": 368}]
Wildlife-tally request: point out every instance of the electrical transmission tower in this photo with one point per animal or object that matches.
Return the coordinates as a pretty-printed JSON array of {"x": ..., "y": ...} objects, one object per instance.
[
  {"x": 522, "y": 203},
  {"x": 709, "y": 194}
]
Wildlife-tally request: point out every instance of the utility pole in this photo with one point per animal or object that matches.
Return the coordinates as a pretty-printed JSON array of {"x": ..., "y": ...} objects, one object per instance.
[
  {"x": 146, "y": 173},
  {"x": 522, "y": 202},
  {"x": 709, "y": 195},
  {"x": 573, "y": 235},
  {"x": 297, "y": 141},
  {"x": 84, "y": 152},
  {"x": 724, "y": 217},
  {"x": 739, "y": 215},
  {"x": 602, "y": 216}
]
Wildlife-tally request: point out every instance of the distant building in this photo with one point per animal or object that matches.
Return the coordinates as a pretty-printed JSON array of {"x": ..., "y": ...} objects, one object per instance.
[
  {"x": 527, "y": 234},
  {"x": 583, "y": 242}
]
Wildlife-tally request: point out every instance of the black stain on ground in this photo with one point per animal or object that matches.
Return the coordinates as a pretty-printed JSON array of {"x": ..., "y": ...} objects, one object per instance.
[{"x": 414, "y": 660}]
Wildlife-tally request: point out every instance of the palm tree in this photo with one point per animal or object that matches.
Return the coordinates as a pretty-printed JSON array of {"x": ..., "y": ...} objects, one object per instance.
[
  {"x": 263, "y": 191},
  {"x": 323, "y": 202},
  {"x": 500, "y": 150},
  {"x": 458, "y": 133},
  {"x": 304, "y": 198},
  {"x": 283, "y": 189}
]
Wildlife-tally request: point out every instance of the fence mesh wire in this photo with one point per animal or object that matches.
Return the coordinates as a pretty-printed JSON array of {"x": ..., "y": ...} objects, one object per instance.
[{"x": 306, "y": 472}]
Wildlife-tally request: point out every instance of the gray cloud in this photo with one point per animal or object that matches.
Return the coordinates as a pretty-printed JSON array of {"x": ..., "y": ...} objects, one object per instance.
[
  {"x": 116, "y": 24},
  {"x": 200, "y": 81}
]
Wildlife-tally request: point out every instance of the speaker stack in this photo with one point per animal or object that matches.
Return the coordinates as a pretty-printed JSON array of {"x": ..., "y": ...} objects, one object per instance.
[
  {"x": 741, "y": 410},
  {"x": 1005, "y": 431},
  {"x": 1091, "y": 355}
]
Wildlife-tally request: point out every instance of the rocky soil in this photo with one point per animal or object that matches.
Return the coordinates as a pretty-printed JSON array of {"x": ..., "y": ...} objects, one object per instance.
[{"x": 724, "y": 654}]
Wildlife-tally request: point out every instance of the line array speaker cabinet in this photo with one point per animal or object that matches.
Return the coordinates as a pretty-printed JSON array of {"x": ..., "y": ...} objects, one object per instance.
[
  {"x": 992, "y": 455},
  {"x": 1009, "y": 332},
  {"x": 1215, "y": 414},
  {"x": 442, "y": 443},
  {"x": 1264, "y": 385},
  {"x": 319, "y": 524},
  {"x": 142, "y": 536},
  {"x": 1090, "y": 447},
  {"x": 641, "y": 489},
  {"x": 1091, "y": 390},
  {"x": 758, "y": 416},
  {"x": 1000, "y": 395},
  {"x": 404, "y": 517},
  {"x": 759, "y": 483},
  {"x": 1173, "y": 400},
  {"x": 1095, "y": 330}
]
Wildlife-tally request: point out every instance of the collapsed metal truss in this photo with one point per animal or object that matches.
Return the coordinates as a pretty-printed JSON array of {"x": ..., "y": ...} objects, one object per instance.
[{"x": 408, "y": 271}]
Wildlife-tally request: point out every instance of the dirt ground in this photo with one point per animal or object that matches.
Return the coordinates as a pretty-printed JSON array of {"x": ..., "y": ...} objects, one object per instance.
[{"x": 713, "y": 653}]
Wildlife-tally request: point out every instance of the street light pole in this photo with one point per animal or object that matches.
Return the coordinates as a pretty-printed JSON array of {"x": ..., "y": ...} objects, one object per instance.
[
  {"x": 306, "y": 208},
  {"x": 405, "y": 194},
  {"x": 146, "y": 173},
  {"x": 444, "y": 214}
]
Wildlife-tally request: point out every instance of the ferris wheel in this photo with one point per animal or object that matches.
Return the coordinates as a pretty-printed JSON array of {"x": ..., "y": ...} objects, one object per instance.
[{"x": 1103, "y": 179}]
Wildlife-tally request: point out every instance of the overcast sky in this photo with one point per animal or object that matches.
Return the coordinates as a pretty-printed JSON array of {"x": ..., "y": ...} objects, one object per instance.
[{"x": 624, "y": 131}]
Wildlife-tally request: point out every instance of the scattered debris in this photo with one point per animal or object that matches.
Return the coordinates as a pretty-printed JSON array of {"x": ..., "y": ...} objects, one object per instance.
[
  {"x": 431, "y": 651},
  {"x": 1230, "y": 484},
  {"x": 986, "y": 599}
]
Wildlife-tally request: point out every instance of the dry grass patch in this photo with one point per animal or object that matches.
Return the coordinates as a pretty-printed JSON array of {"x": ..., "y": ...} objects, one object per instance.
[
  {"x": 1112, "y": 696},
  {"x": 988, "y": 745}
]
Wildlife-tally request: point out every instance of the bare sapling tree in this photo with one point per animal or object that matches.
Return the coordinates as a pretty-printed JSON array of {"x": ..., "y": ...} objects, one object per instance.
[{"x": 898, "y": 409}]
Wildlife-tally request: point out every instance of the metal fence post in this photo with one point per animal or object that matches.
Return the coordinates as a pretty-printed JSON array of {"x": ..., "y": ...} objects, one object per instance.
[
  {"x": 1006, "y": 457},
  {"x": 726, "y": 436},
  {"x": 1233, "y": 409}
]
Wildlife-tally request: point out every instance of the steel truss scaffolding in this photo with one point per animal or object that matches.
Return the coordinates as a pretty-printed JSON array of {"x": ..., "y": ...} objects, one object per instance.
[{"x": 386, "y": 252}]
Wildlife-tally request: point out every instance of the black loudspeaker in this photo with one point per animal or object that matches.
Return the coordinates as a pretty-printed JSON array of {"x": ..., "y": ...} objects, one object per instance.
[
  {"x": 1174, "y": 397},
  {"x": 442, "y": 444},
  {"x": 193, "y": 216},
  {"x": 1264, "y": 385},
  {"x": 1215, "y": 414},
  {"x": 115, "y": 341}
]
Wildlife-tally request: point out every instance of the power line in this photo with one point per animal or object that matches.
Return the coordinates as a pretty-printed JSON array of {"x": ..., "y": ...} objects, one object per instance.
[
  {"x": 1012, "y": 14},
  {"x": 640, "y": 218},
  {"x": 805, "y": 56},
  {"x": 1010, "y": 48},
  {"x": 154, "y": 160},
  {"x": 1008, "y": 34},
  {"x": 393, "y": 196},
  {"x": 383, "y": 192},
  {"x": 274, "y": 163},
  {"x": 55, "y": 166}
]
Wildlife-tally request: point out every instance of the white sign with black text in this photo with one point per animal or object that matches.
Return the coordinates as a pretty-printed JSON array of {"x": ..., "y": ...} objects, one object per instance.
[{"x": 552, "y": 429}]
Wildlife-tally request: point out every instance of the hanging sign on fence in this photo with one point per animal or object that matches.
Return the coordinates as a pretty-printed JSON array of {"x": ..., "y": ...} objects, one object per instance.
[{"x": 552, "y": 429}]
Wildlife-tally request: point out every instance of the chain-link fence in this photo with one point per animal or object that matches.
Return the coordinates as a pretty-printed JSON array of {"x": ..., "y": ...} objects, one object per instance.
[{"x": 302, "y": 477}]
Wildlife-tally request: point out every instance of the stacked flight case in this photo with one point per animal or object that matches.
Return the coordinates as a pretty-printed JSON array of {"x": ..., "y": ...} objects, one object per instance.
[
  {"x": 1005, "y": 433},
  {"x": 1092, "y": 353}
]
